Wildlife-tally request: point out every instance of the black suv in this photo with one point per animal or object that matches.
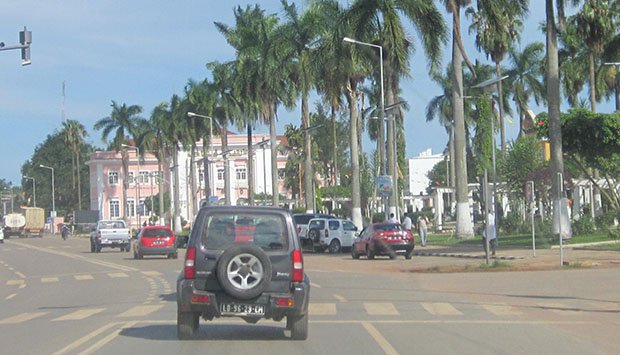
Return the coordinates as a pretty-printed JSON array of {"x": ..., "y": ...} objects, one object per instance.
[{"x": 243, "y": 262}]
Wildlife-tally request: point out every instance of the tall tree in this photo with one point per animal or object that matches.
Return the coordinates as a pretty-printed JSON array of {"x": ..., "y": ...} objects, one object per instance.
[
  {"x": 381, "y": 22},
  {"x": 497, "y": 24},
  {"x": 74, "y": 133},
  {"x": 122, "y": 123}
]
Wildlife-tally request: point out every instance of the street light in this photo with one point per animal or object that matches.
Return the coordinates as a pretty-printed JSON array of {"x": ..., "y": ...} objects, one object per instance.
[
  {"x": 384, "y": 158},
  {"x": 34, "y": 190},
  {"x": 137, "y": 181},
  {"x": 489, "y": 85},
  {"x": 53, "y": 212},
  {"x": 206, "y": 161}
]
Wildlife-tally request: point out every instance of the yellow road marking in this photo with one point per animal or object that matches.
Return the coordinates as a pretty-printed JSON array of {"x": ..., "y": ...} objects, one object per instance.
[
  {"x": 22, "y": 317},
  {"x": 10, "y": 296},
  {"x": 322, "y": 309},
  {"x": 151, "y": 273},
  {"x": 83, "y": 277},
  {"x": 560, "y": 308},
  {"x": 140, "y": 311},
  {"x": 379, "y": 338},
  {"x": 107, "y": 339},
  {"x": 116, "y": 275},
  {"x": 381, "y": 309},
  {"x": 80, "y": 314},
  {"x": 340, "y": 298},
  {"x": 15, "y": 282},
  {"x": 441, "y": 309}
]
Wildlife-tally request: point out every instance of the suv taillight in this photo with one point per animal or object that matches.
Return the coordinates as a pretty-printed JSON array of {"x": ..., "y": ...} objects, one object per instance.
[
  {"x": 189, "y": 269},
  {"x": 326, "y": 233},
  {"x": 298, "y": 266}
]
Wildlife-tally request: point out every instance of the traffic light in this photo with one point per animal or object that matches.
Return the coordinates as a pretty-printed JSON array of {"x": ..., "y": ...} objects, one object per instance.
[{"x": 25, "y": 38}]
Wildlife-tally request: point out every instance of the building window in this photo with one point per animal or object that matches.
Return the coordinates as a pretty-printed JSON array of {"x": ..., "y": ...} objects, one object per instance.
[
  {"x": 220, "y": 174},
  {"x": 144, "y": 177},
  {"x": 142, "y": 208},
  {"x": 155, "y": 175},
  {"x": 113, "y": 178},
  {"x": 130, "y": 179},
  {"x": 241, "y": 174},
  {"x": 281, "y": 174},
  {"x": 115, "y": 209},
  {"x": 131, "y": 208}
]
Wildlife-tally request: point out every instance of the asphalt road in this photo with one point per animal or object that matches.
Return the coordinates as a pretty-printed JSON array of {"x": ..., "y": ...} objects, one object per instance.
[{"x": 58, "y": 298}]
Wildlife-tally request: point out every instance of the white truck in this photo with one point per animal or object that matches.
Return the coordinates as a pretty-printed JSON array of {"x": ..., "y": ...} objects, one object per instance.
[{"x": 110, "y": 234}]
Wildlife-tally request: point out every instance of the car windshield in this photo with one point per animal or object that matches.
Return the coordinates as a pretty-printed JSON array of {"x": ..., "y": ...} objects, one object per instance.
[
  {"x": 156, "y": 233},
  {"x": 388, "y": 227},
  {"x": 265, "y": 230}
]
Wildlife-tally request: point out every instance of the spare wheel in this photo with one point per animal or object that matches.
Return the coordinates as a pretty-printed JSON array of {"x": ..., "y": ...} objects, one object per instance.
[{"x": 244, "y": 271}]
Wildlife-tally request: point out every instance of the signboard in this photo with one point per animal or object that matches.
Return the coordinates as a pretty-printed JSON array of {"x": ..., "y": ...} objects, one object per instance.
[{"x": 384, "y": 185}]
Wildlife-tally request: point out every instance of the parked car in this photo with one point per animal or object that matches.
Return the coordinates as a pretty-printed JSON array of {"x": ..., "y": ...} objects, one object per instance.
[
  {"x": 229, "y": 273},
  {"x": 331, "y": 234},
  {"x": 383, "y": 238},
  {"x": 301, "y": 221},
  {"x": 110, "y": 234},
  {"x": 154, "y": 240}
]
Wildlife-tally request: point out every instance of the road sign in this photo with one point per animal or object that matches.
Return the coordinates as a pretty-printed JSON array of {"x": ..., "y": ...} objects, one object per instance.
[{"x": 384, "y": 185}]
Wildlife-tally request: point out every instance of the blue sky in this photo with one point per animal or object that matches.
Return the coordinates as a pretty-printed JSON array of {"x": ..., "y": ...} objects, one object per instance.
[{"x": 142, "y": 52}]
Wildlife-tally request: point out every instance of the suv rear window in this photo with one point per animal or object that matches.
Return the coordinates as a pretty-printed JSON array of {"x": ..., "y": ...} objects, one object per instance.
[
  {"x": 156, "y": 233},
  {"x": 265, "y": 230},
  {"x": 317, "y": 224}
]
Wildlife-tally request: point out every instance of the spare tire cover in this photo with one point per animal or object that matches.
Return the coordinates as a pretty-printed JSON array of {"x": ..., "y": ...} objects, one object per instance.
[{"x": 244, "y": 271}]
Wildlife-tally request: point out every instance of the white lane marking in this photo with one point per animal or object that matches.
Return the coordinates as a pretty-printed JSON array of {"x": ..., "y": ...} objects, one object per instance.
[
  {"x": 340, "y": 298},
  {"x": 20, "y": 274},
  {"x": 379, "y": 338},
  {"x": 140, "y": 311},
  {"x": 80, "y": 257},
  {"x": 322, "y": 309},
  {"x": 152, "y": 273},
  {"x": 108, "y": 338},
  {"x": 441, "y": 309},
  {"x": 116, "y": 275},
  {"x": 49, "y": 279},
  {"x": 502, "y": 310},
  {"x": 380, "y": 309},
  {"x": 22, "y": 317},
  {"x": 15, "y": 282},
  {"x": 79, "y": 314},
  {"x": 10, "y": 296},
  {"x": 83, "y": 277},
  {"x": 84, "y": 339},
  {"x": 22, "y": 286},
  {"x": 315, "y": 285}
]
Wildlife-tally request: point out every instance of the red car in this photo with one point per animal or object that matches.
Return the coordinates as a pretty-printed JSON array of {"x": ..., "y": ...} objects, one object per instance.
[
  {"x": 383, "y": 238},
  {"x": 155, "y": 240}
]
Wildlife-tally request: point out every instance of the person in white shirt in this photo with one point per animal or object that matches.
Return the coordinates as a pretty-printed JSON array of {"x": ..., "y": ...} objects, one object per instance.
[
  {"x": 392, "y": 218},
  {"x": 407, "y": 222},
  {"x": 423, "y": 228}
]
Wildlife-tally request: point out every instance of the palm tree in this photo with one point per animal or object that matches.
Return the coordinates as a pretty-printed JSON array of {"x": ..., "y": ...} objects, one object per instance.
[
  {"x": 123, "y": 122},
  {"x": 74, "y": 133},
  {"x": 379, "y": 21},
  {"x": 525, "y": 78},
  {"x": 296, "y": 36},
  {"x": 497, "y": 23}
]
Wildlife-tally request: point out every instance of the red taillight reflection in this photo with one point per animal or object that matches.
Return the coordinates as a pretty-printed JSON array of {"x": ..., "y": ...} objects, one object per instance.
[
  {"x": 201, "y": 299},
  {"x": 189, "y": 268},
  {"x": 284, "y": 302},
  {"x": 298, "y": 266}
]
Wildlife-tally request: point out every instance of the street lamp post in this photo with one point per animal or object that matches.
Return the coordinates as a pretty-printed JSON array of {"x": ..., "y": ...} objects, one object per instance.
[
  {"x": 206, "y": 161},
  {"x": 53, "y": 212},
  {"x": 137, "y": 182},
  {"x": 384, "y": 158},
  {"x": 34, "y": 190}
]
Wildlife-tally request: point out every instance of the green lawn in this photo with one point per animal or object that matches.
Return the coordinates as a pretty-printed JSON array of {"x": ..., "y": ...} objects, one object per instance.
[{"x": 518, "y": 241}]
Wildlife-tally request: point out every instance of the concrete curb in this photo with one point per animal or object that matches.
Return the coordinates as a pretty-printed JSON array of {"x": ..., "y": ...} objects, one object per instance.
[{"x": 469, "y": 256}]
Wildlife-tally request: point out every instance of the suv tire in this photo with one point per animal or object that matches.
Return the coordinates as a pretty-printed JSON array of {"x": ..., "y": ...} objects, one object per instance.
[
  {"x": 298, "y": 325},
  {"x": 244, "y": 271},
  {"x": 334, "y": 247},
  {"x": 314, "y": 235}
]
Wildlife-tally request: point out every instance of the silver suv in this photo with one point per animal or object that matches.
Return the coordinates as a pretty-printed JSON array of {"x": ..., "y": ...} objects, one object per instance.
[
  {"x": 243, "y": 262},
  {"x": 331, "y": 234}
]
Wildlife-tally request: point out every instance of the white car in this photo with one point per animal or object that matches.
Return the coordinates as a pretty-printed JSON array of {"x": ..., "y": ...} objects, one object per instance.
[
  {"x": 1, "y": 234},
  {"x": 331, "y": 234}
]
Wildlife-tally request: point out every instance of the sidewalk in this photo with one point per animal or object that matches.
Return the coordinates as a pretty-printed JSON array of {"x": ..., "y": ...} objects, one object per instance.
[{"x": 447, "y": 258}]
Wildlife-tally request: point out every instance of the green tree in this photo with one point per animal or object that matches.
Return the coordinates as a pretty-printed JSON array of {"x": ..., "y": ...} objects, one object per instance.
[
  {"x": 122, "y": 124},
  {"x": 522, "y": 158},
  {"x": 74, "y": 133}
]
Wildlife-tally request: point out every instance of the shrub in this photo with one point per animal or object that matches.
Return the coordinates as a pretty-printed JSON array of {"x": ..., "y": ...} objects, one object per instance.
[
  {"x": 585, "y": 225},
  {"x": 606, "y": 219}
]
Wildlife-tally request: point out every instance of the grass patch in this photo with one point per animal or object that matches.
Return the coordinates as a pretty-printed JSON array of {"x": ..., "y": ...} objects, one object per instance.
[
  {"x": 496, "y": 264},
  {"x": 518, "y": 241}
]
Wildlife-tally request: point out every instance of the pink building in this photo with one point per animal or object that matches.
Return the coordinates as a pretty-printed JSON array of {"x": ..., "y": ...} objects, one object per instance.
[{"x": 106, "y": 178}]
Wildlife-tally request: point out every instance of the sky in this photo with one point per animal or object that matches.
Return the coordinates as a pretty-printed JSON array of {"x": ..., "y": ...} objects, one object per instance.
[{"x": 141, "y": 52}]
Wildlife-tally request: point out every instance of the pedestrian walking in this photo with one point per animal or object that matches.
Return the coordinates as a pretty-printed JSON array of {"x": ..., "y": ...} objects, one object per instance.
[
  {"x": 422, "y": 228},
  {"x": 491, "y": 232},
  {"x": 407, "y": 222}
]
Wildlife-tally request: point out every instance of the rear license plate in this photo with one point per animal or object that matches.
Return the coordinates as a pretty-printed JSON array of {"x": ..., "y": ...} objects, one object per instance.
[{"x": 242, "y": 309}]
